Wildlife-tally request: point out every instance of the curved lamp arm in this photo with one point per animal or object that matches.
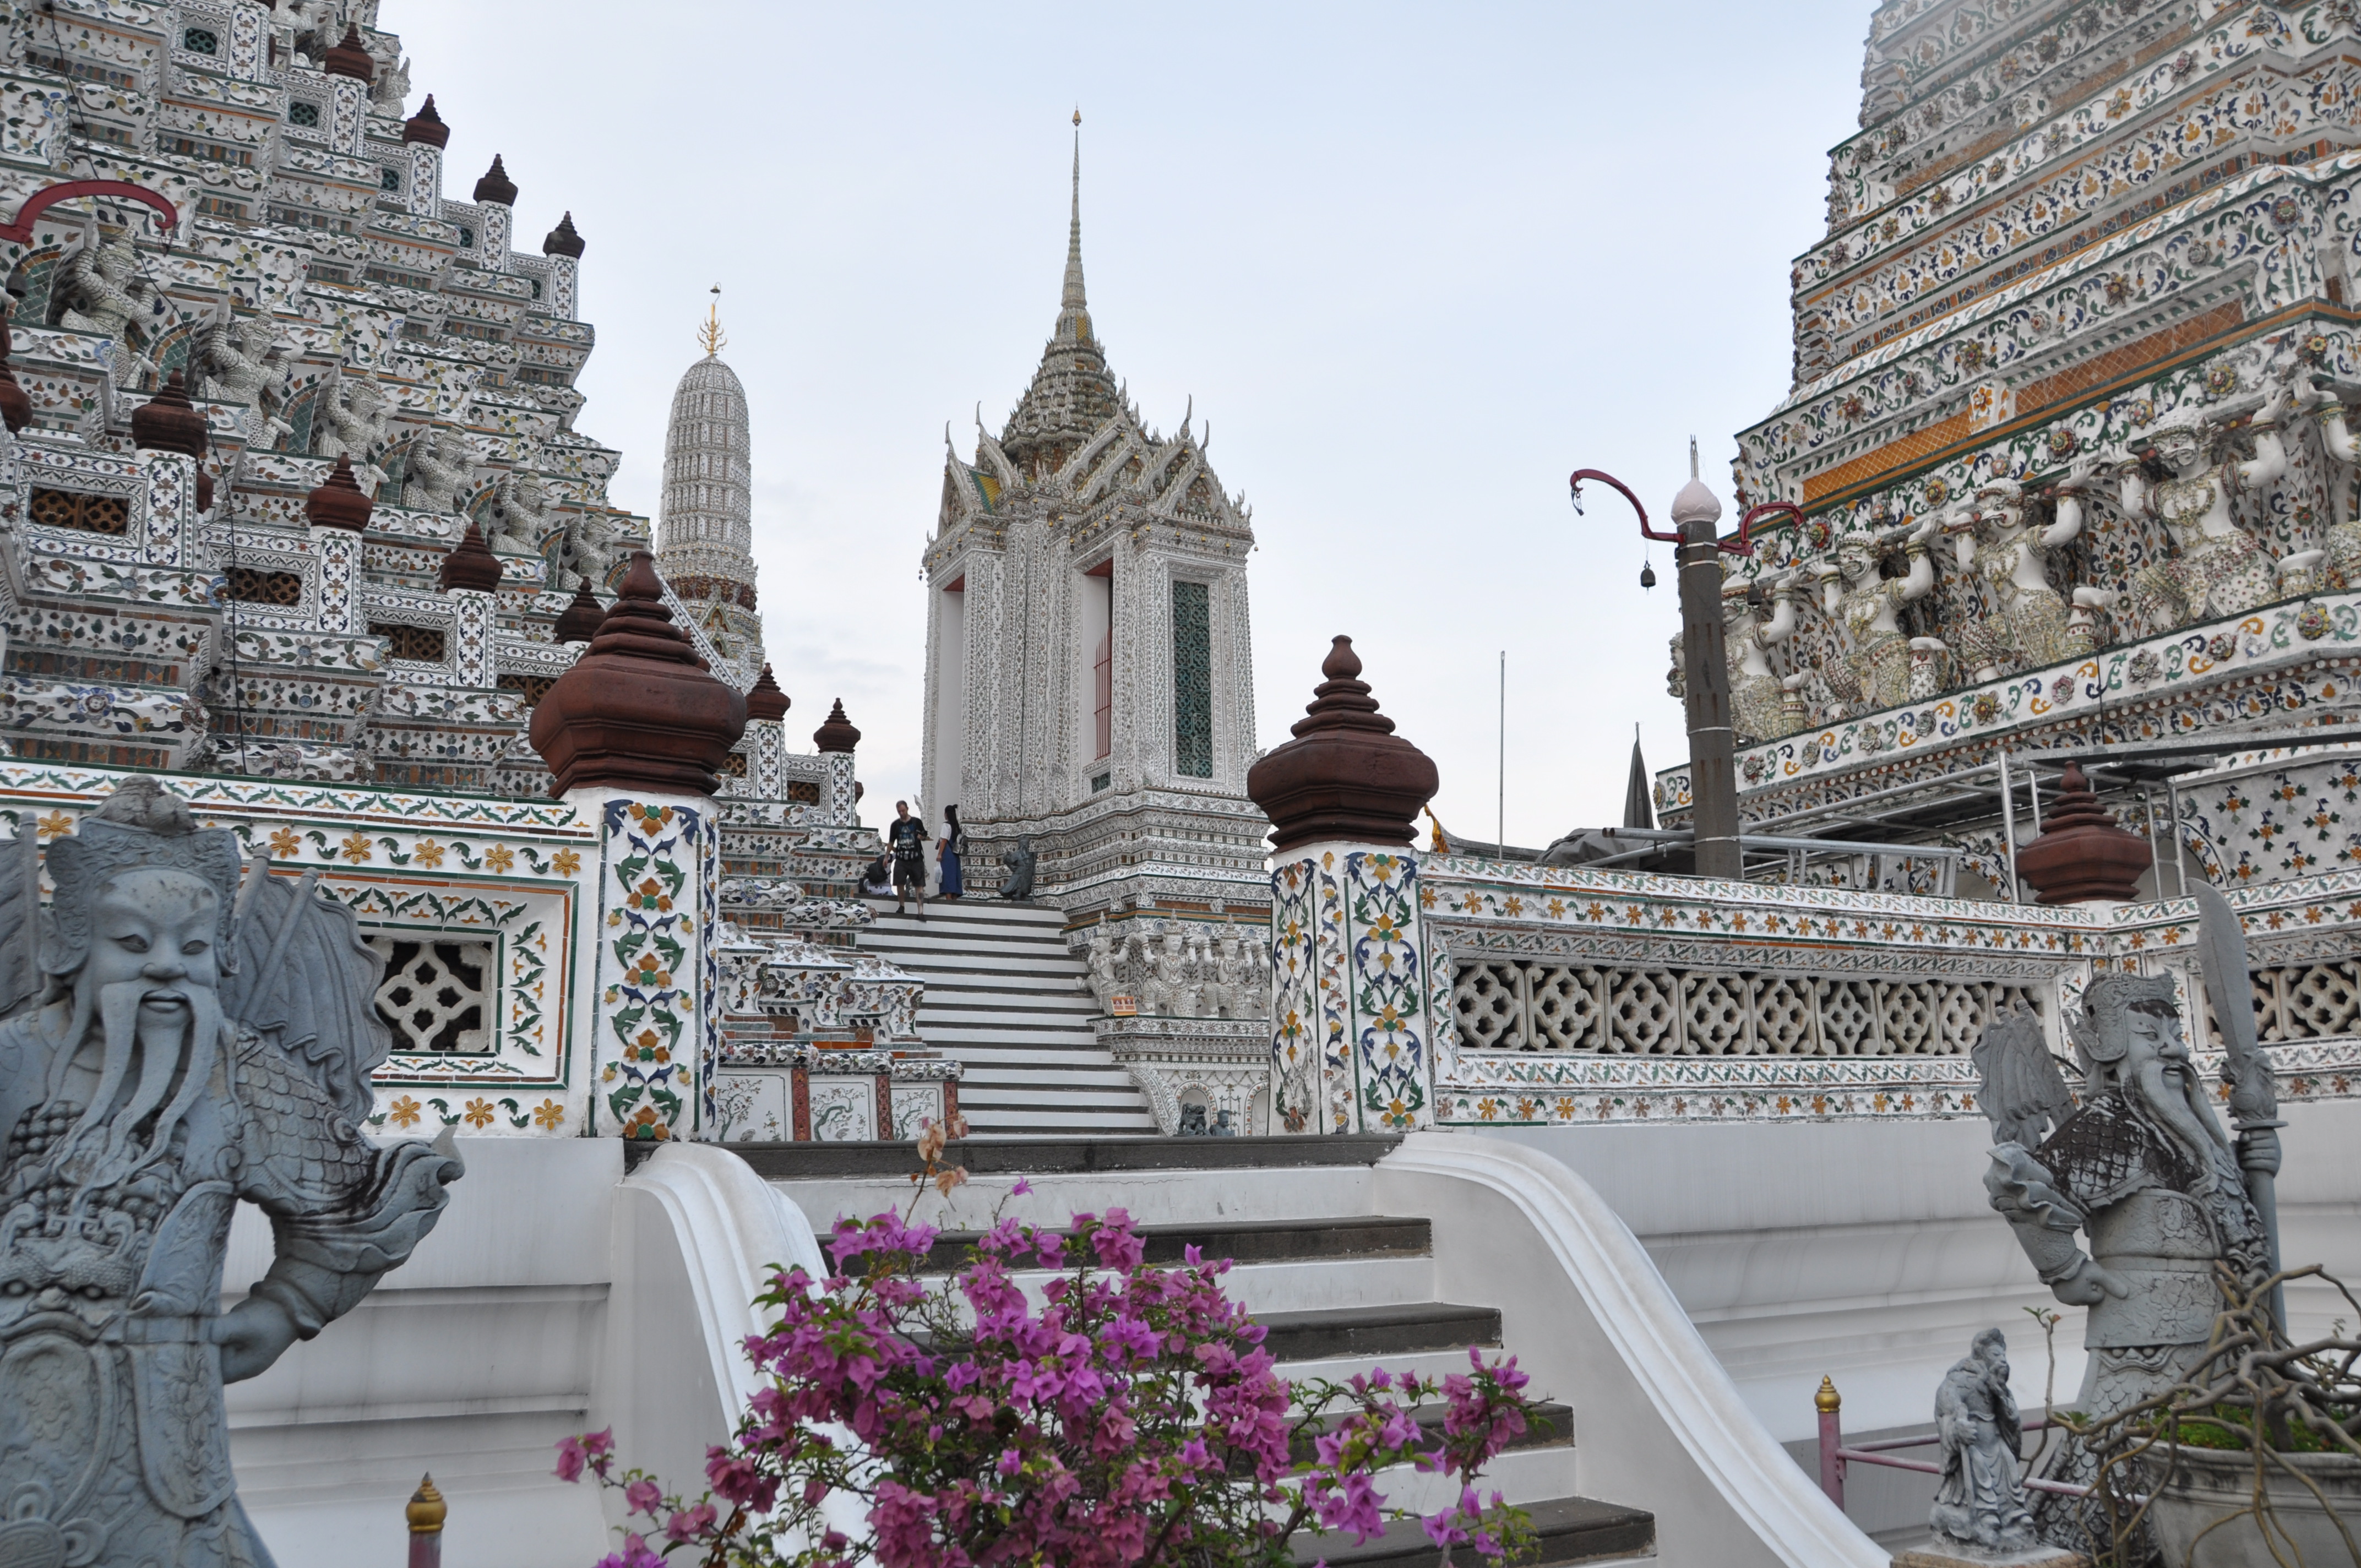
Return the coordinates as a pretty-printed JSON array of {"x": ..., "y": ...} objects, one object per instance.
[{"x": 1742, "y": 545}]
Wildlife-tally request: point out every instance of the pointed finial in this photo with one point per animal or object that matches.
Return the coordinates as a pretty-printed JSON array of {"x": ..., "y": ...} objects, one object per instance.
[
  {"x": 1073, "y": 309},
  {"x": 1693, "y": 462},
  {"x": 710, "y": 334}
]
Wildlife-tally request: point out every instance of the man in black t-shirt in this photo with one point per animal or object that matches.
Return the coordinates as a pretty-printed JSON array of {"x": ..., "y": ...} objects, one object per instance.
[{"x": 905, "y": 835}]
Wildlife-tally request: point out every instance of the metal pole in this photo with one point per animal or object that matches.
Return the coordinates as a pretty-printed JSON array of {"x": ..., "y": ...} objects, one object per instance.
[
  {"x": 1503, "y": 776},
  {"x": 2179, "y": 862},
  {"x": 1713, "y": 742},
  {"x": 2033, "y": 794},
  {"x": 2154, "y": 851},
  {"x": 1828, "y": 1401},
  {"x": 2008, "y": 829}
]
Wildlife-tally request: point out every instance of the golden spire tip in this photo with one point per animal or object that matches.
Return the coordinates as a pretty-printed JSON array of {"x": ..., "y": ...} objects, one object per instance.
[{"x": 709, "y": 333}]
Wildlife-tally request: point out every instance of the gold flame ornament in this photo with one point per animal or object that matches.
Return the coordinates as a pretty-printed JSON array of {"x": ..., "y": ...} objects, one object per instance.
[{"x": 709, "y": 333}]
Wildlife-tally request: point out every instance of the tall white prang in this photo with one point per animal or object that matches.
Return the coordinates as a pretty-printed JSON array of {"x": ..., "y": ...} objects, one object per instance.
[
  {"x": 704, "y": 535},
  {"x": 1089, "y": 686}
]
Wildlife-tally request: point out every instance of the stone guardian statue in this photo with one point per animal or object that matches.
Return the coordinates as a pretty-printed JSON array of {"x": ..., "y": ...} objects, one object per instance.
[
  {"x": 2143, "y": 1169},
  {"x": 1867, "y": 606},
  {"x": 2219, "y": 570},
  {"x": 1980, "y": 1501},
  {"x": 180, "y": 1046},
  {"x": 1020, "y": 862}
]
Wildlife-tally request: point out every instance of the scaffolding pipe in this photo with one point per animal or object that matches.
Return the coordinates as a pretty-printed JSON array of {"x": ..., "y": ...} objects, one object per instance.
[{"x": 2008, "y": 829}]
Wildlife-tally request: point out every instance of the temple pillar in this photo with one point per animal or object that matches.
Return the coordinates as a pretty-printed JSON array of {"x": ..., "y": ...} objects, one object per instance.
[
  {"x": 1353, "y": 1031},
  {"x": 337, "y": 512},
  {"x": 839, "y": 798},
  {"x": 634, "y": 735}
]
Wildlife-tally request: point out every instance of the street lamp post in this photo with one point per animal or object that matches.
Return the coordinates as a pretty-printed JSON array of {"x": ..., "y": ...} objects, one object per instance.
[{"x": 1705, "y": 669}]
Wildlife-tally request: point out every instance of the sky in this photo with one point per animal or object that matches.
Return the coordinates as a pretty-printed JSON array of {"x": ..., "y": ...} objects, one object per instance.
[{"x": 1411, "y": 265}]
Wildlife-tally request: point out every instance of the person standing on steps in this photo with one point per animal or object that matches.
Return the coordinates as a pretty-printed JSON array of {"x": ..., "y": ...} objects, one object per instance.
[
  {"x": 947, "y": 852},
  {"x": 905, "y": 835}
]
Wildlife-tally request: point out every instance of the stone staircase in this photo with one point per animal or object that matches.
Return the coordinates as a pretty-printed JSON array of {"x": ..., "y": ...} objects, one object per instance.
[
  {"x": 1003, "y": 997},
  {"x": 1340, "y": 1286}
]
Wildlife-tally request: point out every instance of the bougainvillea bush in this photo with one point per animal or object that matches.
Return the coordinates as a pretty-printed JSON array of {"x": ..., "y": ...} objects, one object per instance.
[{"x": 1130, "y": 1417}]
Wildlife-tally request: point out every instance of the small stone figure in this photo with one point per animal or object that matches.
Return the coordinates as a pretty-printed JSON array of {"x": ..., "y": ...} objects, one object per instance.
[
  {"x": 1233, "y": 997},
  {"x": 1167, "y": 974},
  {"x": 244, "y": 360},
  {"x": 183, "y": 1045},
  {"x": 2220, "y": 570},
  {"x": 441, "y": 468},
  {"x": 352, "y": 423},
  {"x": 1019, "y": 861},
  {"x": 2026, "y": 626},
  {"x": 101, "y": 291},
  {"x": 589, "y": 551},
  {"x": 519, "y": 519},
  {"x": 1192, "y": 1123},
  {"x": 1099, "y": 967},
  {"x": 2343, "y": 542},
  {"x": 1866, "y": 606},
  {"x": 1980, "y": 1501},
  {"x": 1221, "y": 1128}
]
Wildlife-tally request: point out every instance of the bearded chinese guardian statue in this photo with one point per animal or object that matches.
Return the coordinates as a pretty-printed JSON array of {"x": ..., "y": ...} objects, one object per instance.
[
  {"x": 2143, "y": 1169},
  {"x": 182, "y": 1044}
]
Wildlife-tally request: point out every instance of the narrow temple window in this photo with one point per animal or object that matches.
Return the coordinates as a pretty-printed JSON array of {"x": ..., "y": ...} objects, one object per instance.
[{"x": 1192, "y": 681}]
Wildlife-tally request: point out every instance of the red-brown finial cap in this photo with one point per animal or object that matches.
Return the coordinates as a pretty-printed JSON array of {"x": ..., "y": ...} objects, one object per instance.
[
  {"x": 635, "y": 712},
  {"x": 1346, "y": 775},
  {"x": 838, "y": 734},
  {"x": 337, "y": 502},
  {"x": 16, "y": 408},
  {"x": 496, "y": 185},
  {"x": 426, "y": 126},
  {"x": 2082, "y": 855},
  {"x": 168, "y": 423},
  {"x": 562, "y": 240},
  {"x": 350, "y": 57},
  {"x": 765, "y": 700},
  {"x": 578, "y": 622},
  {"x": 471, "y": 564}
]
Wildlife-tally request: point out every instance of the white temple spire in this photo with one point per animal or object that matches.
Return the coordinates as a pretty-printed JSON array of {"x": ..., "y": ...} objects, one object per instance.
[{"x": 1073, "y": 309}]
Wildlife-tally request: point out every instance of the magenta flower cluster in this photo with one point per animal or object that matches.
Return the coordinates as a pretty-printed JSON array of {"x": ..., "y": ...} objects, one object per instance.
[{"x": 1130, "y": 1417}]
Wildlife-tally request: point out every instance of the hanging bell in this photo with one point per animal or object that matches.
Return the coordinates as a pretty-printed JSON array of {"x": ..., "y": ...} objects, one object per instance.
[{"x": 1647, "y": 575}]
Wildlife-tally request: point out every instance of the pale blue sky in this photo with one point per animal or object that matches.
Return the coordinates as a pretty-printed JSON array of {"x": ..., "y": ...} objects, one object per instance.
[{"x": 1414, "y": 264}]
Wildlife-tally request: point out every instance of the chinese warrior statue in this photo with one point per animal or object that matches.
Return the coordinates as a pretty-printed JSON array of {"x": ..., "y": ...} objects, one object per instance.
[
  {"x": 2218, "y": 569},
  {"x": 182, "y": 1042},
  {"x": 1980, "y": 1501},
  {"x": 1867, "y": 607}
]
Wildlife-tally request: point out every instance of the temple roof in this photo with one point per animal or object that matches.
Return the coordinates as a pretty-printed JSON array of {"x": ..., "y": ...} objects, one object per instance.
[{"x": 1073, "y": 393}]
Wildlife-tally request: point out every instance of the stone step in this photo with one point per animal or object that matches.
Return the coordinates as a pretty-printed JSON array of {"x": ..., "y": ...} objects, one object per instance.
[
  {"x": 1249, "y": 1241},
  {"x": 1406, "y": 1328},
  {"x": 1571, "y": 1530},
  {"x": 1035, "y": 1157}
]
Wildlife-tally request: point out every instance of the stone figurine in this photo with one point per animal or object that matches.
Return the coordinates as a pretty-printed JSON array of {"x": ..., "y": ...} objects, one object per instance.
[
  {"x": 2218, "y": 569},
  {"x": 2143, "y": 1169},
  {"x": 352, "y": 423},
  {"x": 1020, "y": 862},
  {"x": 2026, "y": 624},
  {"x": 1980, "y": 1503},
  {"x": 1866, "y": 606},
  {"x": 101, "y": 291},
  {"x": 440, "y": 469},
  {"x": 1099, "y": 969},
  {"x": 245, "y": 360},
  {"x": 2343, "y": 542},
  {"x": 183, "y": 1043},
  {"x": 519, "y": 519}
]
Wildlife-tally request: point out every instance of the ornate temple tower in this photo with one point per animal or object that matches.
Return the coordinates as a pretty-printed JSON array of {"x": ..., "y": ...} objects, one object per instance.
[
  {"x": 705, "y": 537},
  {"x": 1090, "y": 662}
]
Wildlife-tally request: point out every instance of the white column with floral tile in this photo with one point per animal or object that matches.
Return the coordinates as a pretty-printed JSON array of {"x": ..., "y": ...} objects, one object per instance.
[{"x": 1352, "y": 1005}]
